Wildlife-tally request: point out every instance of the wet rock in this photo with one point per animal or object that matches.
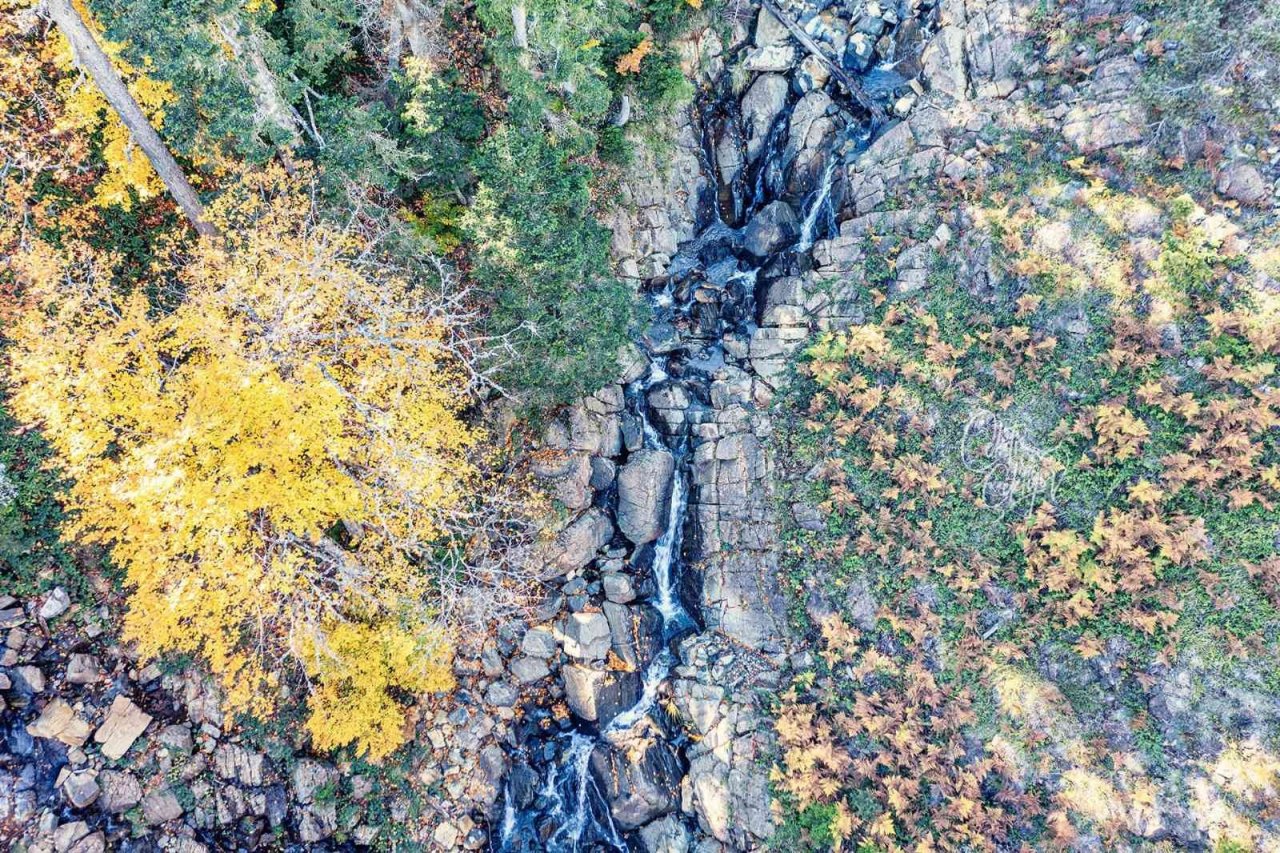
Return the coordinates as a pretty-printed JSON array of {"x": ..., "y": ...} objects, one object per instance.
[
  {"x": 640, "y": 781},
  {"x": 160, "y": 806},
  {"x": 581, "y": 690},
  {"x": 587, "y": 636},
  {"x": 669, "y": 402},
  {"x": 603, "y": 473},
  {"x": 121, "y": 791},
  {"x": 859, "y": 53},
  {"x": 124, "y": 724},
  {"x": 644, "y": 489},
  {"x": 809, "y": 137},
  {"x": 59, "y": 721},
  {"x": 635, "y": 632},
  {"x": 773, "y": 228},
  {"x": 761, "y": 106}
]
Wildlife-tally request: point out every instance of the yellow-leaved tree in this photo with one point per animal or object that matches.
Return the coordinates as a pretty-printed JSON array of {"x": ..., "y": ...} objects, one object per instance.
[
  {"x": 128, "y": 172},
  {"x": 275, "y": 462}
]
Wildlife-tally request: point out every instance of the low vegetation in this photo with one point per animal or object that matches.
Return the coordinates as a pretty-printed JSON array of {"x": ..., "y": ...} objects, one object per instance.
[{"x": 1079, "y": 462}]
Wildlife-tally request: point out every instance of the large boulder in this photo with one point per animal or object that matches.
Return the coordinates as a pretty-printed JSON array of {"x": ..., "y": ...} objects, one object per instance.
[
  {"x": 644, "y": 489},
  {"x": 640, "y": 780},
  {"x": 761, "y": 106},
  {"x": 600, "y": 695},
  {"x": 587, "y": 636},
  {"x": 636, "y": 632},
  {"x": 577, "y": 544},
  {"x": 773, "y": 228}
]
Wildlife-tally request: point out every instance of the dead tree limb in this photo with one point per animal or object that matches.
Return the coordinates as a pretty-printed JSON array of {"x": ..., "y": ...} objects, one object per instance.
[
  {"x": 91, "y": 59},
  {"x": 855, "y": 90}
]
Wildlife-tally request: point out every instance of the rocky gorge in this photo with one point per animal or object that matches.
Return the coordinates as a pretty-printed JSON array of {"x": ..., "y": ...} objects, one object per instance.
[
  {"x": 631, "y": 709},
  {"x": 676, "y": 624}
]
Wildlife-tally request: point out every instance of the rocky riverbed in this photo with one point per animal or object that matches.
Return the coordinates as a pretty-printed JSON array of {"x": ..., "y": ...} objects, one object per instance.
[{"x": 663, "y": 741}]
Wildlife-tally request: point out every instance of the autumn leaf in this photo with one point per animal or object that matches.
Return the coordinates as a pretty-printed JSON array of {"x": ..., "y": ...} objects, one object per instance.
[{"x": 629, "y": 63}]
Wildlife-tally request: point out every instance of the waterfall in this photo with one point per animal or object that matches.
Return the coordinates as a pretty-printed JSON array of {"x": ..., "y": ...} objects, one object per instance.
[
  {"x": 818, "y": 206},
  {"x": 708, "y": 294}
]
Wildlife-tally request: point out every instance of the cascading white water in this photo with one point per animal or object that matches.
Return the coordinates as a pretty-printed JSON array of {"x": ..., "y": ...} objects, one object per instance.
[
  {"x": 817, "y": 207},
  {"x": 577, "y": 813},
  {"x": 573, "y": 774}
]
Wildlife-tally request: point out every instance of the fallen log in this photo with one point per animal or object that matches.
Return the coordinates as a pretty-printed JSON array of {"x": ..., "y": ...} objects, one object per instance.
[{"x": 855, "y": 90}]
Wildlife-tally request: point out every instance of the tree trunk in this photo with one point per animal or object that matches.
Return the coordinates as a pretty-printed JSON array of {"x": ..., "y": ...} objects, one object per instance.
[
  {"x": 90, "y": 58},
  {"x": 271, "y": 107}
]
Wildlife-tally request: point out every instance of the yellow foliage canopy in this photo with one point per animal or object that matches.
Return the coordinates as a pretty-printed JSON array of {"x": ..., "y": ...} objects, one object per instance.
[{"x": 270, "y": 461}]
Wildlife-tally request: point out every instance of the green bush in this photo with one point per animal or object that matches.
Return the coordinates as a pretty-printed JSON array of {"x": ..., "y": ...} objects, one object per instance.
[
  {"x": 543, "y": 260},
  {"x": 31, "y": 553}
]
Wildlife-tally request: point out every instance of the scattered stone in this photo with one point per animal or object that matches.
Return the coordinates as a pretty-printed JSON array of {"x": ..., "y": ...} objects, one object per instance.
[
  {"x": 11, "y": 617},
  {"x": 32, "y": 677},
  {"x": 160, "y": 806},
  {"x": 539, "y": 642},
  {"x": 59, "y": 721},
  {"x": 125, "y": 723},
  {"x": 446, "y": 835},
  {"x": 529, "y": 669},
  {"x": 618, "y": 588},
  {"x": 55, "y": 604},
  {"x": 83, "y": 669},
  {"x": 68, "y": 834},
  {"x": 1243, "y": 183},
  {"x": 176, "y": 737},
  {"x": 81, "y": 789},
  {"x": 95, "y": 843},
  {"x": 121, "y": 791},
  {"x": 502, "y": 694}
]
